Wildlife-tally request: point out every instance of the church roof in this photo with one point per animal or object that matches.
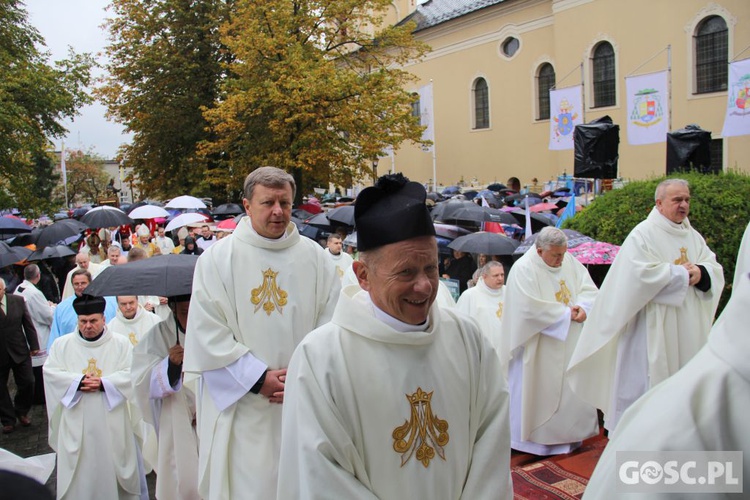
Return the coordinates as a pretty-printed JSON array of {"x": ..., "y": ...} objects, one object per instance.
[{"x": 434, "y": 12}]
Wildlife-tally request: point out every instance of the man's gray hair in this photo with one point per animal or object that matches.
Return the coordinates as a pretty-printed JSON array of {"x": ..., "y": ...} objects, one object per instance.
[
  {"x": 663, "y": 185},
  {"x": 113, "y": 249},
  {"x": 551, "y": 237},
  {"x": 488, "y": 267},
  {"x": 271, "y": 177},
  {"x": 30, "y": 272}
]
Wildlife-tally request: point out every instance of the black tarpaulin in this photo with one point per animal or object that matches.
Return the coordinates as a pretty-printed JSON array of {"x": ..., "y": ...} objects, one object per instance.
[
  {"x": 689, "y": 149},
  {"x": 596, "y": 149}
]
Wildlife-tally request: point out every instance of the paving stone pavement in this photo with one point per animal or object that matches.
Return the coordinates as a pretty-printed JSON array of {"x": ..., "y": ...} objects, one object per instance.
[{"x": 31, "y": 441}]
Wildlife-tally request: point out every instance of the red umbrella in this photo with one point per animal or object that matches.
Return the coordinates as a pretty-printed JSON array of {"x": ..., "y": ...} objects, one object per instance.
[
  {"x": 227, "y": 225},
  {"x": 595, "y": 252},
  {"x": 542, "y": 207}
]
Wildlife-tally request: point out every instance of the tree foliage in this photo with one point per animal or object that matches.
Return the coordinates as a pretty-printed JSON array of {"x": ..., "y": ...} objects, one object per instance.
[
  {"x": 314, "y": 87},
  {"x": 719, "y": 210},
  {"x": 164, "y": 68},
  {"x": 87, "y": 180},
  {"x": 35, "y": 97}
]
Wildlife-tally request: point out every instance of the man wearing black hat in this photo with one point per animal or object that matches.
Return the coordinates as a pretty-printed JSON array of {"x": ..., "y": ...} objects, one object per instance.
[
  {"x": 394, "y": 398},
  {"x": 87, "y": 385}
]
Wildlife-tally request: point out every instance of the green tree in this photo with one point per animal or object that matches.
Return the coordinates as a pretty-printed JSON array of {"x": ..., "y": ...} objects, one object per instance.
[
  {"x": 314, "y": 87},
  {"x": 35, "y": 97},
  {"x": 164, "y": 68},
  {"x": 87, "y": 180}
]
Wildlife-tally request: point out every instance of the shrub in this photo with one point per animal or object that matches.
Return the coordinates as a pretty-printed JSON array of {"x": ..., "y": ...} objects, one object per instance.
[{"x": 719, "y": 210}]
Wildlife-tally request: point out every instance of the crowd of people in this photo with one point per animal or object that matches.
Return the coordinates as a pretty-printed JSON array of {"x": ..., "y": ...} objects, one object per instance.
[{"x": 297, "y": 371}]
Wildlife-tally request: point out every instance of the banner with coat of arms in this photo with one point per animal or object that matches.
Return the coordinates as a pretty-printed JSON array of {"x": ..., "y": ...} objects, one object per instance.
[
  {"x": 737, "y": 120},
  {"x": 648, "y": 108},
  {"x": 566, "y": 111}
]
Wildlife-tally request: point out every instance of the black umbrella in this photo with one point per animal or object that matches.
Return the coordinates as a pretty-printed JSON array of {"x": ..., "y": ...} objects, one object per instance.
[
  {"x": 516, "y": 200},
  {"x": 320, "y": 221},
  {"x": 476, "y": 215},
  {"x": 301, "y": 214},
  {"x": 11, "y": 225},
  {"x": 228, "y": 209},
  {"x": 10, "y": 255},
  {"x": 106, "y": 216},
  {"x": 496, "y": 186},
  {"x": 342, "y": 215},
  {"x": 446, "y": 208},
  {"x": 538, "y": 222},
  {"x": 54, "y": 252},
  {"x": 162, "y": 275},
  {"x": 59, "y": 231},
  {"x": 80, "y": 212},
  {"x": 486, "y": 243},
  {"x": 574, "y": 239}
]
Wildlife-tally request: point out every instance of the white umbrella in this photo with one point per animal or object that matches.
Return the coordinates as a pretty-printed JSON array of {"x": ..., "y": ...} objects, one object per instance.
[
  {"x": 185, "y": 201},
  {"x": 148, "y": 212},
  {"x": 184, "y": 220}
]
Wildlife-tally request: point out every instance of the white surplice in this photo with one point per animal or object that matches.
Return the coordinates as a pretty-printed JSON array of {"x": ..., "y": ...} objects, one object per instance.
[
  {"x": 343, "y": 261},
  {"x": 253, "y": 301},
  {"x": 170, "y": 410},
  {"x": 97, "y": 455},
  {"x": 94, "y": 269},
  {"x": 376, "y": 408},
  {"x": 484, "y": 305},
  {"x": 535, "y": 341},
  {"x": 41, "y": 315},
  {"x": 135, "y": 328},
  {"x": 648, "y": 322}
]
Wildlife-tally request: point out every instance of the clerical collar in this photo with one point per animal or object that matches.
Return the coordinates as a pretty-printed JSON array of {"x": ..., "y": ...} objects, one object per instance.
[
  {"x": 398, "y": 325},
  {"x": 270, "y": 240},
  {"x": 483, "y": 286},
  {"x": 334, "y": 255},
  {"x": 93, "y": 339}
]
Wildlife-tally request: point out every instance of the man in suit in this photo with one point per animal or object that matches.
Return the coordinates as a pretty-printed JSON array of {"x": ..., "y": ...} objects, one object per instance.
[{"x": 18, "y": 342}]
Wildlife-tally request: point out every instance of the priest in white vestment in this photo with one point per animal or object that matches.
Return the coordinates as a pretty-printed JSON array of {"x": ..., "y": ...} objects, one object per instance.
[
  {"x": 87, "y": 385},
  {"x": 255, "y": 296},
  {"x": 83, "y": 261},
  {"x": 40, "y": 310},
  {"x": 132, "y": 320},
  {"x": 484, "y": 301},
  {"x": 341, "y": 259},
  {"x": 655, "y": 309},
  {"x": 395, "y": 398},
  {"x": 168, "y": 405},
  {"x": 547, "y": 299},
  {"x": 703, "y": 407}
]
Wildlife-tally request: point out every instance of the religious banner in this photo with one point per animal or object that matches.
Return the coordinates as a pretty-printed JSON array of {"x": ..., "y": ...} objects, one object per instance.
[
  {"x": 426, "y": 118},
  {"x": 648, "y": 108},
  {"x": 737, "y": 119},
  {"x": 566, "y": 110}
]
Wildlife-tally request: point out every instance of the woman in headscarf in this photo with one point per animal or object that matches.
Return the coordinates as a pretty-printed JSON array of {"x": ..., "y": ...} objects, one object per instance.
[{"x": 191, "y": 248}]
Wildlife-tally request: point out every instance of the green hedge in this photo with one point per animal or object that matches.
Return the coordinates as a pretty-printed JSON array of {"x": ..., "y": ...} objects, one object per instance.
[{"x": 719, "y": 210}]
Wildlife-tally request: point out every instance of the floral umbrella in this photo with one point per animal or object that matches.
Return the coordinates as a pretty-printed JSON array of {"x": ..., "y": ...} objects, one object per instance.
[{"x": 595, "y": 252}]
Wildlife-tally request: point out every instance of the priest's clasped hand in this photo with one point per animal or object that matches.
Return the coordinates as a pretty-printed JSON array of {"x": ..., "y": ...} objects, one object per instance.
[
  {"x": 577, "y": 314},
  {"x": 694, "y": 273},
  {"x": 273, "y": 386},
  {"x": 176, "y": 353},
  {"x": 91, "y": 383}
]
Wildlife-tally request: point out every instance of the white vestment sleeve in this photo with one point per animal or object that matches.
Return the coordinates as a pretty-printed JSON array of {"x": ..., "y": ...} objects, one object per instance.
[
  {"x": 559, "y": 329},
  {"x": 112, "y": 395},
  {"x": 227, "y": 385},
  {"x": 159, "y": 386},
  {"x": 673, "y": 294},
  {"x": 72, "y": 395}
]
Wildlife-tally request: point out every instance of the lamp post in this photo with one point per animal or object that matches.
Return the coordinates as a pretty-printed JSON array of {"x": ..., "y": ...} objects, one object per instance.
[{"x": 374, "y": 170}]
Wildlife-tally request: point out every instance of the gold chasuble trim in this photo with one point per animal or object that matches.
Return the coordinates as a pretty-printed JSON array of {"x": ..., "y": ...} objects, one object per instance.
[
  {"x": 563, "y": 296},
  {"x": 683, "y": 257},
  {"x": 269, "y": 295},
  {"x": 133, "y": 339},
  {"x": 499, "y": 311},
  {"x": 424, "y": 433},
  {"x": 91, "y": 369}
]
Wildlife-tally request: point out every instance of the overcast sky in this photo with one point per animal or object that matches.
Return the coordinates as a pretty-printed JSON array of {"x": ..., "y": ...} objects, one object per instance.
[{"x": 77, "y": 23}]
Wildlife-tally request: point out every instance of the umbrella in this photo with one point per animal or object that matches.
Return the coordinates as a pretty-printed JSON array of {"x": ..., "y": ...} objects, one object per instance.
[
  {"x": 227, "y": 225},
  {"x": 449, "y": 231},
  {"x": 106, "y": 216},
  {"x": 445, "y": 208},
  {"x": 541, "y": 207},
  {"x": 310, "y": 208},
  {"x": 451, "y": 190},
  {"x": 574, "y": 239},
  {"x": 517, "y": 199},
  {"x": 595, "y": 252},
  {"x": 320, "y": 221},
  {"x": 162, "y": 275},
  {"x": 184, "y": 220},
  {"x": 490, "y": 197},
  {"x": 496, "y": 186},
  {"x": 13, "y": 225},
  {"x": 80, "y": 212},
  {"x": 342, "y": 215},
  {"x": 10, "y": 255},
  {"x": 301, "y": 214},
  {"x": 51, "y": 253},
  {"x": 538, "y": 222},
  {"x": 148, "y": 212},
  {"x": 476, "y": 215},
  {"x": 486, "y": 243},
  {"x": 59, "y": 231},
  {"x": 228, "y": 209},
  {"x": 351, "y": 239},
  {"x": 185, "y": 201}
]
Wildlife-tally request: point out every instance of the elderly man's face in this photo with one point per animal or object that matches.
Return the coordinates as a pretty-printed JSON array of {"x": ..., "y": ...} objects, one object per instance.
[
  {"x": 80, "y": 283},
  {"x": 335, "y": 245},
  {"x": 143, "y": 239},
  {"x": 404, "y": 280},
  {"x": 91, "y": 325},
  {"x": 495, "y": 278},
  {"x": 270, "y": 210},
  {"x": 674, "y": 203},
  {"x": 128, "y": 306},
  {"x": 553, "y": 255},
  {"x": 83, "y": 261}
]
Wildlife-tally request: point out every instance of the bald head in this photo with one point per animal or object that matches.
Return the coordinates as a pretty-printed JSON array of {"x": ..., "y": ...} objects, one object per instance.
[{"x": 83, "y": 260}]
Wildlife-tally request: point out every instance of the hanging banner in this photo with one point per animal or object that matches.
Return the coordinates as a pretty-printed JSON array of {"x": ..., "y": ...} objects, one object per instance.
[
  {"x": 737, "y": 120},
  {"x": 648, "y": 108},
  {"x": 566, "y": 112},
  {"x": 426, "y": 118}
]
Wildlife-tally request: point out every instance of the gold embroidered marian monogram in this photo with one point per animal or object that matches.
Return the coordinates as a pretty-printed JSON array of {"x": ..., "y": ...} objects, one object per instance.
[
  {"x": 269, "y": 295},
  {"x": 91, "y": 369},
  {"x": 563, "y": 296},
  {"x": 340, "y": 272},
  {"x": 499, "y": 312},
  {"x": 132, "y": 338},
  {"x": 683, "y": 257},
  {"x": 424, "y": 433}
]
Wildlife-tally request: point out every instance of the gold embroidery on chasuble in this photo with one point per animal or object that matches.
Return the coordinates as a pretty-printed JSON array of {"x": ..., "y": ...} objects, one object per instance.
[
  {"x": 269, "y": 295},
  {"x": 563, "y": 295},
  {"x": 132, "y": 338},
  {"x": 91, "y": 369},
  {"x": 499, "y": 311},
  {"x": 683, "y": 257},
  {"x": 424, "y": 433},
  {"x": 340, "y": 272}
]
